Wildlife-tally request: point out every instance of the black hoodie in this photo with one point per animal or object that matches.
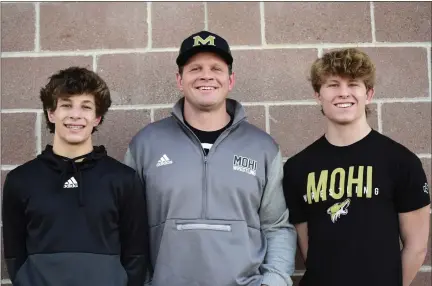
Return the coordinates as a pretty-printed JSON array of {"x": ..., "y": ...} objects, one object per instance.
[{"x": 72, "y": 222}]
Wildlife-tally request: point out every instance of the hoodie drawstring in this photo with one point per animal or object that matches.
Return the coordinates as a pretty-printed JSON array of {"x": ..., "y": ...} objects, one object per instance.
[
  {"x": 64, "y": 166},
  {"x": 77, "y": 171}
]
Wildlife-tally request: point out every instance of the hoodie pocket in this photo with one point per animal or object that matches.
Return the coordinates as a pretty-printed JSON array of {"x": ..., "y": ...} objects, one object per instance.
[{"x": 209, "y": 252}]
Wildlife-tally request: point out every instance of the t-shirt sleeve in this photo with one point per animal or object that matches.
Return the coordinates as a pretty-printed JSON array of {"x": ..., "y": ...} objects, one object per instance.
[
  {"x": 293, "y": 195},
  {"x": 412, "y": 190}
]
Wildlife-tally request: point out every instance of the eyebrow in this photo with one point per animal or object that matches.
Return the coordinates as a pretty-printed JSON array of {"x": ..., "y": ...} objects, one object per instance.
[{"x": 68, "y": 100}]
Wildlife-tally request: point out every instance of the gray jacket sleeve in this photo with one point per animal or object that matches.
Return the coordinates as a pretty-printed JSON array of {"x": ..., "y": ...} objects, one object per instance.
[
  {"x": 279, "y": 262},
  {"x": 130, "y": 160}
]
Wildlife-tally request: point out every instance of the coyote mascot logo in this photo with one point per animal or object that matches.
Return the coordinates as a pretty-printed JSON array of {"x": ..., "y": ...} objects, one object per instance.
[{"x": 338, "y": 209}]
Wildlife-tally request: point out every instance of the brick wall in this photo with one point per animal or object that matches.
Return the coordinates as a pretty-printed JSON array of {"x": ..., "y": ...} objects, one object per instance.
[{"x": 133, "y": 46}]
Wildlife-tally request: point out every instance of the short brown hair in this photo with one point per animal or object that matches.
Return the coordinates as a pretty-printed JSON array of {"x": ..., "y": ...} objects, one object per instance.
[
  {"x": 351, "y": 63},
  {"x": 75, "y": 81}
]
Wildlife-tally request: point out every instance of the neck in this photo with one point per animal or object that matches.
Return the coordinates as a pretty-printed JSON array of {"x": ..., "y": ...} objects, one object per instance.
[
  {"x": 344, "y": 135},
  {"x": 210, "y": 120},
  {"x": 71, "y": 151}
]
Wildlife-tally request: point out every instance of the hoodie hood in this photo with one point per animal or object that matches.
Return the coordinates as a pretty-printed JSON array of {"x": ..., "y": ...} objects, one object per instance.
[{"x": 72, "y": 166}]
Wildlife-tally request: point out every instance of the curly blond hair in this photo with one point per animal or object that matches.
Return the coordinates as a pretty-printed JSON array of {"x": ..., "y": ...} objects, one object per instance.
[{"x": 351, "y": 63}]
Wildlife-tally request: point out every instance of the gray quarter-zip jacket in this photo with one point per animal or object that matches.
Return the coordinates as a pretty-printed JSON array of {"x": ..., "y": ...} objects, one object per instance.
[{"x": 215, "y": 220}]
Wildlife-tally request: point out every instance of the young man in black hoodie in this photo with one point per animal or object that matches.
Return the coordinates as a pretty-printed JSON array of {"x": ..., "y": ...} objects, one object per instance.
[{"x": 74, "y": 216}]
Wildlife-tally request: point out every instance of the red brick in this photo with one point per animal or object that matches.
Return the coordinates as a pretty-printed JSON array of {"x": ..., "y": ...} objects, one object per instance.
[
  {"x": 140, "y": 78},
  {"x": 403, "y": 21},
  {"x": 287, "y": 126},
  {"x": 17, "y": 27},
  {"x": 272, "y": 74},
  {"x": 299, "y": 261},
  {"x": 317, "y": 22},
  {"x": 22, "y": 78},
  {"x": 172, "y": 22},
  {"x": 408, "y": 124},
  {"x": 422, "y": 279},
  {"x": 102, "y": 25},
  {"x": 372, "y": 117},
  {"x": 118, "y": 129},
  {"x": 256, "y": 116},
  {"x": 296, "y": 279},
  {"x": 162, "y": 113},
  {"x": 3, "y": 175},
  {"x": 237, "y": 22},
  {"x": 18, "y": 129},
  {"x": 400, "y": 72}
]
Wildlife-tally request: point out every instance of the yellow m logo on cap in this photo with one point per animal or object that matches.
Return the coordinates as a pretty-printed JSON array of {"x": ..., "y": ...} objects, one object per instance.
[{"x": 199, "y": 41}]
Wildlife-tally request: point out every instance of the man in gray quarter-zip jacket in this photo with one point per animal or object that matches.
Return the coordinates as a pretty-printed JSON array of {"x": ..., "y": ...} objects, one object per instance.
[{"x": 217, "y": 212}]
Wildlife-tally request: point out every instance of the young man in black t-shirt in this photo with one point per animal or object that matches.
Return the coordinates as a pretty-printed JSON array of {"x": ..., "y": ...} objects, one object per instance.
[{"x": 354, "y": 192}]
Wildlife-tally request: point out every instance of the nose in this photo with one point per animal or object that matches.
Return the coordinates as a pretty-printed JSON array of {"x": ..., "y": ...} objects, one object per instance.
[
  {"x": 344, "y": 91},
  {"x": 207, "y": 74},
  {"x": 75, "y": 112}
]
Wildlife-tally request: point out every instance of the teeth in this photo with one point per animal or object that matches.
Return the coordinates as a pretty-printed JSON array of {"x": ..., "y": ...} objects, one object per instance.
[
  {"x": 74, "y": 127},
  {"x": 206, "y": 88},
  {"x": 344, "y": 105}
]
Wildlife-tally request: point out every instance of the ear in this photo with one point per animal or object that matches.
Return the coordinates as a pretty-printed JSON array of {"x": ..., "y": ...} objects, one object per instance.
[
  {"x": 179, "y": 81},
  {"x": 51, "y": 116},
  {"x": 231, "y": 81},
  {"x": 369, "y": 95},
  {"x": 97, "y": 121},
  {"x": 317, "y": 97}
]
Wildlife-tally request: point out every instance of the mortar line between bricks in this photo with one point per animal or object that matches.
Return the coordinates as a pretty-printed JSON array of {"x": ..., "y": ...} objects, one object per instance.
[
  {"x": 152, "y": 115},
  {"x": 424, "y": 155},
  {"x": 13, "y": 110},
  {"x": 100, "y": 52},
  {"x": 267, "y": 118},
  {"x": 298, "y": 273},
  {"x": 37, "y": 27},
  {"x": 206, "y": 16},
  {"x": 257, "y": 103},
  {"x": 379, "y": 115},
  {"x": 425, "y": 268},
  {"x": 372, "y": 18},
  {"x": 95, "y": 63},
  {"x": 38, "y": 132},
  {"x": 8, "y": 167},
  {"x": 402, "y": 100},
  {"x": 429, "y": 63},
  {"x": 262, "y": 22},
  {"x": 149, "y": 26}
]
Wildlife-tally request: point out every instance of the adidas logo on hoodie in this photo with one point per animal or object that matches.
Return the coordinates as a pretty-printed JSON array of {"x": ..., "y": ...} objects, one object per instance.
[{"x": 71, "y": 183}]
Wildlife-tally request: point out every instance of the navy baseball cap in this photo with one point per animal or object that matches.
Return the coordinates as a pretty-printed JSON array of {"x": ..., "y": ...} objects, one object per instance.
[{"x": 204, "y": 41}]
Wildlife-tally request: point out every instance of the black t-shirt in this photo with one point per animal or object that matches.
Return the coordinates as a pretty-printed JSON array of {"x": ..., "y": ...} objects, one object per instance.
[
  {"x": 351, "y": 197},
  {"x": 208, "y": 138}
]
